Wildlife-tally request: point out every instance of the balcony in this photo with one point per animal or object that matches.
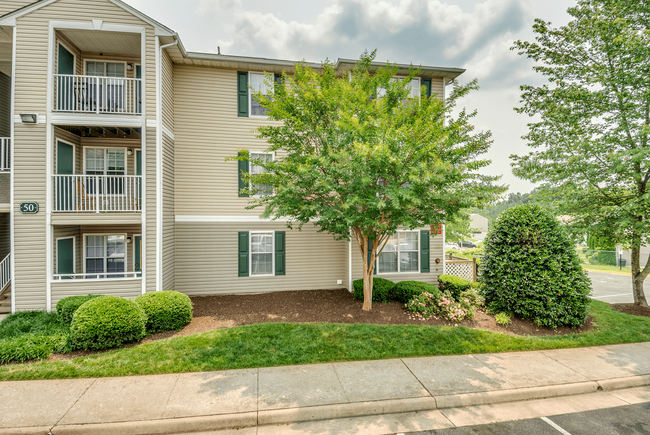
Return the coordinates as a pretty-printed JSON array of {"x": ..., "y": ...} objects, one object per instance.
[
  {"x": 5, "y": 154},
  {"x": 97, "y": 193},
  {"x": 98, "y": 95}
]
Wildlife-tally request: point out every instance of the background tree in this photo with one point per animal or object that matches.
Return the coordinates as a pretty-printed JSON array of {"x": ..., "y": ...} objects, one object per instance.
[
  {"x": 359, "y": 158},
  {"x": 593, "y": 121}
]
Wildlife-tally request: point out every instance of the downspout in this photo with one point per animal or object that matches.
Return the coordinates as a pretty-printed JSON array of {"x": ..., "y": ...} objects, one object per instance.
[
  {"x": 159, "y": 165},
  {"x": 12, "y": 215}
]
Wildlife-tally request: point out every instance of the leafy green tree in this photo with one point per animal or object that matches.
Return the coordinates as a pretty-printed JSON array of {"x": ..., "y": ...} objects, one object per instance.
[
  {"x": 359, "y": 158},
  {"x": 591, "y": 121}
]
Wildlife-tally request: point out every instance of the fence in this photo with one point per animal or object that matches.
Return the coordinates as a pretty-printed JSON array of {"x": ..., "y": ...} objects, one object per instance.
[
  {"x": 462, "y": 267},
  {"x": 609, "y": 260}
]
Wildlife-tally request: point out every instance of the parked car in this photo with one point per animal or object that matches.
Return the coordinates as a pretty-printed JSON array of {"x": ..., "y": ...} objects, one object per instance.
[
  {"x": 467, "y": 244},
  {"x": 451, "y": 246}
]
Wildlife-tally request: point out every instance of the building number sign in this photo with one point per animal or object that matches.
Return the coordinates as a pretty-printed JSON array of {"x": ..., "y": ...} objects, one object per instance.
[{"x": 29, "y": 207}]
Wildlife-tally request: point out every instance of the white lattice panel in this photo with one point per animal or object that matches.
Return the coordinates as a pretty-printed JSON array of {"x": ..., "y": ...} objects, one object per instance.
[{"x": 464, "y": 270}]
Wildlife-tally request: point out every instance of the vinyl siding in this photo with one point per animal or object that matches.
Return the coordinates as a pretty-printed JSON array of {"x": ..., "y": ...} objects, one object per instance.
[
  {"x": 7, "y": 6},
  {"x": 5, "y": 235},
  {"x": 436, "y": 87},
  {"x": 436, "y": 251},
  {"x": 168, "y": 214},
  {"x": 207, "y": 130},
  {"x": 5, "y": 105},
  {"x": 167, "y": 86},
  {"x": 150, "y": 204},
  {"x": 32, "y": 47},
  {"x": 29, "y": 229},
  {"x": 207, "y": 256},
  {"x": 125, "y": 288},
  {"x": 5, "y": 188}
]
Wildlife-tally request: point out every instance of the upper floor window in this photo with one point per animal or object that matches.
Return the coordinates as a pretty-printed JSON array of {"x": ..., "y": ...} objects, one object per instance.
[
  {"x": 261, "y": 189},
  {"x": 105, "y": 69},
  {"x": 105, "y": 161},
  {"x": 257, "y": 84},
  {"x": 414, "y": 91}
]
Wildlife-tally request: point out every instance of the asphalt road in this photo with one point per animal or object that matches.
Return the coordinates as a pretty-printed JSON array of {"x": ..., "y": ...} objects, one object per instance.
[
  {"x": 613, "y": 288},
  {"x": 623, "y": 420}
]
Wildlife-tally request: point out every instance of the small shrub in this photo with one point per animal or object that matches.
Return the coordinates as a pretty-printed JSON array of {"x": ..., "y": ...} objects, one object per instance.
[
  {"x": 106, "y": 322},
  {"x": 30, "y": 347},
  {"x": 607, "y": 258},
  {"x": 166, "y": 310},
  {"x": 472, "y": 297},
  {"x": 454, "y": 285},
  {"x": 32, "y": 322},
  {"x": 381, "y": 289},
  {"x": 424, "y": 305},
  {"x": 404, "y": 291},
  {"x": 532, "y": 271},
  {"x": 502, "y": 319},
  {"x": 440, "y": 305},
  {"x": 66, "y": 307}
]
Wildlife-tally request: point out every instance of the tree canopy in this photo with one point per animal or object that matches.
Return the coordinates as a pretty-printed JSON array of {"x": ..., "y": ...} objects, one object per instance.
[
  {"x": 591, "y": 126},
  {"x": 360, "y": 156}
]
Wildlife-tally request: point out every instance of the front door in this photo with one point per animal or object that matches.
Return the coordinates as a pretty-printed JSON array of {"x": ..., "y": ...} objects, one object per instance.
[
  {"x": 65, "y": 186},
  {"x": 66, "y": 85},
  {"x": 137, "y": 265},
  {"x": 65, "y": 257}
]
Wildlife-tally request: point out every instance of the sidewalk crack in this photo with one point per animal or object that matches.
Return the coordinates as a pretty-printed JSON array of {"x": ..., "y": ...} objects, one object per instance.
[
  {"x": 72, "y": 406},
  {"x": 162, "y": 412},
  {"x": 419, "y": 381},
  {"x": 340, "y": 383}
]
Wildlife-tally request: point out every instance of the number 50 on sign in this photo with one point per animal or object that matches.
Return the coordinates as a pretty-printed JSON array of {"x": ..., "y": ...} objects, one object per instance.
[{"x": 29, "y": 207}]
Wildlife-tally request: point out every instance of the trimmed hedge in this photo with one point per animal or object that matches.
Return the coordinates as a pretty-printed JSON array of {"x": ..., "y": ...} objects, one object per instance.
[
  {"x": 106, "y": 322},
  {"x": 404, "y": 291},
  {"x": 66, "y": 307},
  {"x": 166, "y": 310},
  {"x": 454, "y": 285},
  {"x": 381, "y": 289},
  {"x": 531, "y": 270}
]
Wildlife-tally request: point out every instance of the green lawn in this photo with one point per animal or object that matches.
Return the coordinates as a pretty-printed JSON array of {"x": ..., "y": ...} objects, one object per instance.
[
  {"x": 606, "y": 268},
  {"x": 275, "y": 344}
]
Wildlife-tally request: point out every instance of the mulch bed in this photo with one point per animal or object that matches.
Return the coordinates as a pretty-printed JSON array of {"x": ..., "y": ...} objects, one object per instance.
[
  {"x": 632, "y": 309},
  {"x": 327, "y": 306}
]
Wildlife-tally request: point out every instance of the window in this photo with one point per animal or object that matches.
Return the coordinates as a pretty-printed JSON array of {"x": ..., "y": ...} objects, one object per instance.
[
  {"x": 415, "y": 88},
  {"x": 262, "y": 189},
  {"x": 105, "y": 161},
  {"x": 105, "y": 69},
  {"x": 105, "y": 256},
  {"x": 257, "y": 84},
  {"x": 262, "y": 250},
  {"x": 401, "y": 253}
]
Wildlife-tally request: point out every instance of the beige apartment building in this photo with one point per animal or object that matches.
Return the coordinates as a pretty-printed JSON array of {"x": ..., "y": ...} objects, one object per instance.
[{"x": 113, "y": 178}]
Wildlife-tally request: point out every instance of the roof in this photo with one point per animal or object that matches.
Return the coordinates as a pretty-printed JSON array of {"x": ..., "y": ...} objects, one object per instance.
[{"x": 180, "y": 55}]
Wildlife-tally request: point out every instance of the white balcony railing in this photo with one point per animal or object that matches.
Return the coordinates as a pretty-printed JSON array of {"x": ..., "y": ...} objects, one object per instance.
[
  {"x": 103, "y": 275},
  {"x": 97, "y": 193},
  {"x": 5, "y": 154},
  {"x": 5, "y": 271},
  {"x": 90, "y": 94}
]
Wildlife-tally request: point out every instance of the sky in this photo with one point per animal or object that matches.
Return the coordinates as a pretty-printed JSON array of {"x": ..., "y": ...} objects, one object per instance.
[{"x": 471, "y": 34}]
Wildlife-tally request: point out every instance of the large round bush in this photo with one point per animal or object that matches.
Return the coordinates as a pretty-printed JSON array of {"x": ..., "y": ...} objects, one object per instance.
[
  {"x": 381, "y": 289},
  {"x": 454, "y": 285},
  {"x": 166, "y": 310},
  {"x": 66, "y": 307},
  {"x": 531, "y": 270},
  {"x": 106, "y": 322}
]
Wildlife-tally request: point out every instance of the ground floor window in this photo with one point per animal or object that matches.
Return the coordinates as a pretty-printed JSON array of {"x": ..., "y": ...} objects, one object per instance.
[
  {"x": 104, "y": 255},
  {"x": 262, "y": 250},
  {"x": 401, "y": 254}
]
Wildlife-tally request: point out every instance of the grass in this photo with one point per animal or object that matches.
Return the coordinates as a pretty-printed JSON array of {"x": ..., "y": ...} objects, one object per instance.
[
  {"x": 606, "y": 268},
  {"x": 276, "y": 344},
  {"x": 31, "y": 335}
]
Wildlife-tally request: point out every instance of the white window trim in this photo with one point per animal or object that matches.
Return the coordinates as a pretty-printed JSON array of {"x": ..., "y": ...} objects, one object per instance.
[
  {"x": 126, "y": 159},
  {"x": 105, "y": 61},
  {"x": 250, "y": 254},
  {"x": 250, "y": 185},
  {"x": 250, "y": 97},
  {"x": 58, "y": 55},
  {"x": 418, "y": 96},
  {"x": 126, "y": 265},
  {"x": 74, "y": 154},
  {"x": 74, "y": 253},
  {"x": 398, "y": 252}
]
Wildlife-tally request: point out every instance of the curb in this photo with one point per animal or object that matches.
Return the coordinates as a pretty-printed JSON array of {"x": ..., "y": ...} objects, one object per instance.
[{"x": 326, "y": 412}]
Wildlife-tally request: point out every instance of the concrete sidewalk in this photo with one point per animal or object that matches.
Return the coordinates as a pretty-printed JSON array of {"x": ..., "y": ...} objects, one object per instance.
[{"x": 194, "y": 402}]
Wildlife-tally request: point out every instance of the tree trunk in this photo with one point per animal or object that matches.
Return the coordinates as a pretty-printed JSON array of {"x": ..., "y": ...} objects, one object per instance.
[
  {"x": 367, "y": 277},
  {"x": 638, "y": 277}
]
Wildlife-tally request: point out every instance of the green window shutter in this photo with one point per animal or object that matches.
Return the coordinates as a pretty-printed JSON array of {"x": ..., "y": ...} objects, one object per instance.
[
  {"x": 370, "y": 255},
  {"x": 280, "y": 253},
  {"x": 65, "y": 256},
  {"x": 243, "y": 253},
  {"x": 241, "y": 169},
  {"x": 425, "y": 253},
  {"x": 242, "y": 93},
  {"x": 427, "y": 84}
]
